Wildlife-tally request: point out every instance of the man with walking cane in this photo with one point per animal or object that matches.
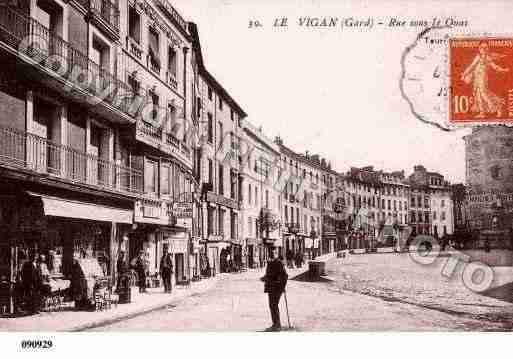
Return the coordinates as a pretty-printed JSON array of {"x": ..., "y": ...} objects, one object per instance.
[{"x": 275, "y": 280}]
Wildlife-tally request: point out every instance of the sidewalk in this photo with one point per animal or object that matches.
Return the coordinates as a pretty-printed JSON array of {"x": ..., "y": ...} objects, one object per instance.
[{"x": 77, "y": 320}]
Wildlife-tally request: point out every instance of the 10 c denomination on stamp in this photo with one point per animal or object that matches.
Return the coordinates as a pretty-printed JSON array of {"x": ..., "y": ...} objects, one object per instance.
[{"x": 481, "y": 80}]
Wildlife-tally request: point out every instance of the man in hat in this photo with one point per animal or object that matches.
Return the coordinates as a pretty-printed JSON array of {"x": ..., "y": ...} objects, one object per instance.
[
  {"x": 141, "y": 269},
  {"x": 166, "y": 270},
  {"x": 275, "y": 280}
]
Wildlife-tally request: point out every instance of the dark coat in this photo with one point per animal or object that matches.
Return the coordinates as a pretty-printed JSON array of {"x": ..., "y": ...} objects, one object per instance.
[
  {"x": 275, "y": 278},
  {"x": 166, "y": 264},
  {"x": 31, "y": 276},
  {"x": 140, "y": 267},
  {"x": 121, "y": 266}
]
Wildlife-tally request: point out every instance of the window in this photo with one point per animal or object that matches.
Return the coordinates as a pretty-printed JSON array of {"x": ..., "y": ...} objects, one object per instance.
[
  {"x": 420, "y": 217},
  {"x": 220, "y": 131},
  {"x": 210, "y": 128},
  {"x": 233, "y": 226},
  {"x": 154, "y": 50},
  {"x": 413, "y": 217},
  {"x": 426, "y": 202},
  {"x": 134, "y": 24},
  {"x": 164, "y": 182},
  {"x": 286, "y": 212},
  {"x": 434, "y": 216},
  {"x": 210, "y": 94},
  {"x": 101, "y": 54},
  {"x": 210, "y": 220},
  {"x": 232, "y": 115},
  {"x": 151, "y": 176},
  {"x": 413, "y": 201},
  {"x": 221, "y": 222},
  {"x": 155, "y": 101},
  {"x": 256, "y": 196},
  {"x": 210, "y": 171},
  {"x": 443, "y": 216},
  {"x": 220, "y": 104},
  {"x": 221, "y": 180},
  {"x": 266, "y": 199},
  {"x": 171, "y": 61},
  {"x": 250, "y": 201},
  {"x": 426, "y": 217},
  {"x": 443, "y": 203},
  {"x": 388, "y": 205},
  {"x": 250, "y": 227}
]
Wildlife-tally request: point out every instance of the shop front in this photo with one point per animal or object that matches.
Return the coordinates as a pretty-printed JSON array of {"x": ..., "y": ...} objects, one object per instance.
[
  {"x": 60, "y": 233},
  {"x": 252, "y": 253}
]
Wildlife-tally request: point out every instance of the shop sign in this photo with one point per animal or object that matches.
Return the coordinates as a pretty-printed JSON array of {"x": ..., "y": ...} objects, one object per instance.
[
  {"x": 222, "y": 200},
  {"x": 182, "y": 210},
  {"x": 179, "y": 245}
]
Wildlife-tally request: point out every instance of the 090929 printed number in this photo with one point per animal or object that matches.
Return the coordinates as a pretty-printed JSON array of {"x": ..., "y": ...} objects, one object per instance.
[{"x": 36, "y": 344}]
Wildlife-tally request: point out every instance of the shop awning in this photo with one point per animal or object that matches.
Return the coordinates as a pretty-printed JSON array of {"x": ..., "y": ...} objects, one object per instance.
[{"x": 60, "y": 207}]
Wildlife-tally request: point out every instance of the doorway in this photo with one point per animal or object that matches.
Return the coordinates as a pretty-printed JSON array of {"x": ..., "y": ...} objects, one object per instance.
[{"x": 179, "y": 268}]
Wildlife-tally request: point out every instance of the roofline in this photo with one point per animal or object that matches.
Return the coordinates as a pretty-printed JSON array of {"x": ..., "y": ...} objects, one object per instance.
[{"x": 196, "y": 45}]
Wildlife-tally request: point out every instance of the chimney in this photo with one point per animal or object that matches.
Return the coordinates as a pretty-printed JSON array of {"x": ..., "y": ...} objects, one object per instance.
[
  {"x": 278, "y": 140},
  {"x": 307, "y": 155}
]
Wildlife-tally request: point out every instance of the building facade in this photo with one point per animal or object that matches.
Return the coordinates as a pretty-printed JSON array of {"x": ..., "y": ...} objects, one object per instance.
[
  {"x": 220, "y": 157},
  {"x": 431, "y": 203},
  {"x": 261, "y": 199}
]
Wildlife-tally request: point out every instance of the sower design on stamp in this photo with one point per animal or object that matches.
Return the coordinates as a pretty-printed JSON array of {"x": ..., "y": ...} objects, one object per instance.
[{"x": 481, "y": 80}]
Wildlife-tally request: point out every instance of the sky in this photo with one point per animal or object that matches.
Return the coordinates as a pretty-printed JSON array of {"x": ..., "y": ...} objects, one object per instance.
[{"x": 334, "y": 91}]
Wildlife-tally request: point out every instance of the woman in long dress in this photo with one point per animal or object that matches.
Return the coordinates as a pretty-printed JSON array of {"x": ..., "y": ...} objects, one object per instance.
[{"x": 485, "y": 101}]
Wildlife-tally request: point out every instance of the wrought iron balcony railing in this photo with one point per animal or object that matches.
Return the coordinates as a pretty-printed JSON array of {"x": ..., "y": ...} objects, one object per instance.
[
  {"x": 107, "y": 11},
  {"x": 149, "y": 130},
  {"x": 31, "y": 38},
  {"x": 28, "y": 151}
]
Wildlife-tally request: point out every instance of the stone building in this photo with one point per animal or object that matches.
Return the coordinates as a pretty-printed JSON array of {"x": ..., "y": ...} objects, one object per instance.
[
  {"x": 303, "y": 193},
  {"x": 431, "y": 205},
  {"x": 220, "y": 159},
  {"x": 261, "y": 198}
]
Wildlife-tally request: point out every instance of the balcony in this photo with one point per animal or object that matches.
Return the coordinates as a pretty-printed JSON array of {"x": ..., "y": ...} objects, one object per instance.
[
  {"x": 171, "y": 79},
  {"x": 147, "y": 129},
  {"x": 293, "y": 227},
  {"x": 134, "y": 48},
  {"x": 172, "y": 140},
  {"x": 105, "y": 14},
  {"x": 69, "y": 64},
  {"x": 27, "y": 151}
]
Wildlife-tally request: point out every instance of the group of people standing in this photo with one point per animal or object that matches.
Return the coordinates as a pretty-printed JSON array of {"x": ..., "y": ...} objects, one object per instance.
[
  {"x": 35, "y": 277},
  {"x": 141, "y": 267},
  {"x": 294, "y": 259}
]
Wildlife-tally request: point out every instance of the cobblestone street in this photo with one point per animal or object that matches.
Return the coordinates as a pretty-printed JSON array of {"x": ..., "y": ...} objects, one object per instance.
[{"x": 362, "y": 292}]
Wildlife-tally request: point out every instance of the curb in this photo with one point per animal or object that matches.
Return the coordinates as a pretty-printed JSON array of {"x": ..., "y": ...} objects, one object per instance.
[{"x": 136, "y": 312}]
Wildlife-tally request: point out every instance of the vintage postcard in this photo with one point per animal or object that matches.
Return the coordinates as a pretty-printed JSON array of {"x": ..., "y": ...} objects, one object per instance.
[{"x": 255, "y": 166}]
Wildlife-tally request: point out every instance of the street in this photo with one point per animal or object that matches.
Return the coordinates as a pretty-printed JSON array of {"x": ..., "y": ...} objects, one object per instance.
[{"x": 372, "y": 292}]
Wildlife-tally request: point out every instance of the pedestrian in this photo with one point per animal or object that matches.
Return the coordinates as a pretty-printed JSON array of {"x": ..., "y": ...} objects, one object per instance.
[
  {"x": 299, "y": 259},
  {"x": 275, "y": 280},
  {"x": 166, "y": 271},
  {"x": 140, "y": 268},
  {"x": 121, "y": 268},
  {"x": 31, "y": 280}
]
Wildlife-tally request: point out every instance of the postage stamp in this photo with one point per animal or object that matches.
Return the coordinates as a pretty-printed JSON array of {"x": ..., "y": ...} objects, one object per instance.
[{"x": 481, "y": 80}]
